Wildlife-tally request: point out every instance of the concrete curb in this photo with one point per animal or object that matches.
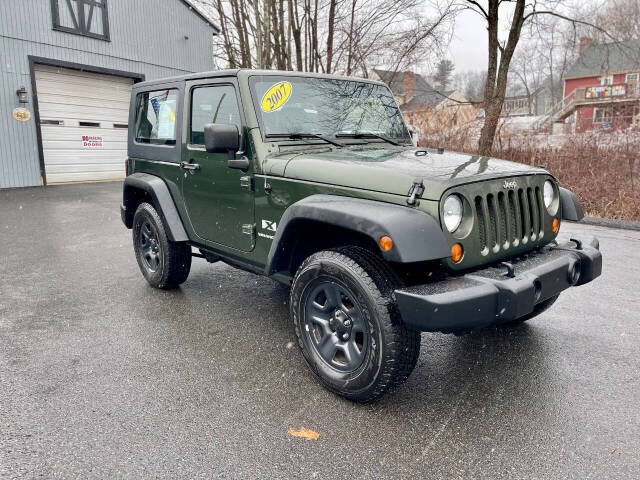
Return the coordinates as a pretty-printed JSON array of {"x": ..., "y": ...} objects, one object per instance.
[{"x": 611, "y": 223}]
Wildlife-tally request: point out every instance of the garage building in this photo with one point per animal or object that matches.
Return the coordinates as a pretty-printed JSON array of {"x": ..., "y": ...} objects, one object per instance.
[{"x": 66, "y": 71}]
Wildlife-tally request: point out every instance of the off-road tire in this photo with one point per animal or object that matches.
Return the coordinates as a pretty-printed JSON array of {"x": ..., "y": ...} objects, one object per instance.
[
  {"x": 174, "y": 259},
  {"x": 537, "y": 310},
  {"x": 394, "y": 351}
]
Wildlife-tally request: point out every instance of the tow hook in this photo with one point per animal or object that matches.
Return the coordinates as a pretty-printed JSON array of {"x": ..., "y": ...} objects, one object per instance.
[
  {"x": 511, "y": 271},
  {"x": 415, "y": 192}
]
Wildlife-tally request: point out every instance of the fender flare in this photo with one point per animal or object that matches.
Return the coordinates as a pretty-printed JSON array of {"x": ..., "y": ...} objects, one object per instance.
[
  {"x": 570, "y": 207},
  {"x": 157, "y": 189},
  {"x": 416, "y": 235}
]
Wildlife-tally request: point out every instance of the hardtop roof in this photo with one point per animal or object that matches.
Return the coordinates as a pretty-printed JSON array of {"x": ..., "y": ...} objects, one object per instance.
[{"x": 160, "y": 82}]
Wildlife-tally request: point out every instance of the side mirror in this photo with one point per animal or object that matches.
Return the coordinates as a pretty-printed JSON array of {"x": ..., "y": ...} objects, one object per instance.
[{"x": 221, "y": 138}]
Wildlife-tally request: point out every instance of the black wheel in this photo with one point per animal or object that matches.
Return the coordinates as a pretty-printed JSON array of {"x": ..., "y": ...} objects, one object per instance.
[
  {"x": 163, "y": 263},
  {"x": 537, "y": 310},
  {"x": 348, "y": 326}
]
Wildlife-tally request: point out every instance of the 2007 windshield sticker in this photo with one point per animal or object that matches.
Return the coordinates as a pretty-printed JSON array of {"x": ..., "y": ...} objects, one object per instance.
[{"x": 275, "y": 98}]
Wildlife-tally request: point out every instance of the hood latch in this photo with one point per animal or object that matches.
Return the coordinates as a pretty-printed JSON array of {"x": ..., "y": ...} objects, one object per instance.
[{"x": 415, "y": 192}]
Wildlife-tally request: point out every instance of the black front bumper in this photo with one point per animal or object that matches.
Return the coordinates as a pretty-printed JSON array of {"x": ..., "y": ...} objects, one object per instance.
[{"x": 500, "y": 293}]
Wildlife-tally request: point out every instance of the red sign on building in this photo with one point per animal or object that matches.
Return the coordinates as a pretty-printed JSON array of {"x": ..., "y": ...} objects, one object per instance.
[{"x": 92, "y": 141}]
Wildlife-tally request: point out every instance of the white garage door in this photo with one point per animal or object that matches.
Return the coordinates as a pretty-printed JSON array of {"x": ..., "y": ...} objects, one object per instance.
[{"x": 83, "y": 118}]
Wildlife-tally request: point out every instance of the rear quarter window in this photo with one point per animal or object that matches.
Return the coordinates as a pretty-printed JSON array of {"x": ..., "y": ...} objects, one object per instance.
[{"x": 156, "y": 116}]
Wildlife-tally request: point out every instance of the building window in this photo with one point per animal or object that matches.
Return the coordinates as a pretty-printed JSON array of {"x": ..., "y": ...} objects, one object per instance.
[
  {"x": 632, "y": 77},
  {"x": 81, "y": 17},
  {"x": 602, "y": 115},
  {"x": 156, "y": 117},
  {"x": 606, "y": 80}
]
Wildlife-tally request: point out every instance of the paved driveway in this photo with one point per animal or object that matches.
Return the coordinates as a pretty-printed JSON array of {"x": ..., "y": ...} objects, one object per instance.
[{"x": 103, "y": 377}]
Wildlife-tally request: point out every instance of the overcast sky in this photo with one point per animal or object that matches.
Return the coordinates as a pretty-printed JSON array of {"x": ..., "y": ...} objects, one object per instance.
[{"x": 468, "y": 48}]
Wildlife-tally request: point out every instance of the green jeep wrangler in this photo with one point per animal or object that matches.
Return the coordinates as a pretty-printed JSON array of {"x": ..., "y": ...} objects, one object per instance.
[{"x": 313, "y": 180}]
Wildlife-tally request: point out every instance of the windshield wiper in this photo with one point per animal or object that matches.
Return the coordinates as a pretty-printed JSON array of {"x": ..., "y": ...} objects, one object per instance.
[
  {"x": 367, "y": 135},
  {"x": 300, "y": 136}
]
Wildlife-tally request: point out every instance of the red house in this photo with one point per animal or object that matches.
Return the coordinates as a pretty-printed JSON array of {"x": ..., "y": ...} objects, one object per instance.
[{"x": 601, "y": 89}]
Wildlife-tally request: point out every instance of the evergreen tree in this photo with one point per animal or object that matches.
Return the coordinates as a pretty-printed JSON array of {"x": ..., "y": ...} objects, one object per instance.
[{"x": 444, "y": 72}]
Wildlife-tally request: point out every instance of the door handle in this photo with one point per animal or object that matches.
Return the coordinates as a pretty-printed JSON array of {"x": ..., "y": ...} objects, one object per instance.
[{"x": 189, "y": 166}]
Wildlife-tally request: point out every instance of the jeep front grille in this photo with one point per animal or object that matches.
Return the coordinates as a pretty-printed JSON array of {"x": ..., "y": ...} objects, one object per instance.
[{"x": 509, "y": 218}]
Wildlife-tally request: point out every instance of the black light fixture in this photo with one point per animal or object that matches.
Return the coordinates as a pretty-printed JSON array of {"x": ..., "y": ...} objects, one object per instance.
[{"x": 22, "y": 95}]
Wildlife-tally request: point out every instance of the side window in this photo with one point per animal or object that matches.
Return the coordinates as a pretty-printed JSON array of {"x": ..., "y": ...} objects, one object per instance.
[
  {"x": 156, "y": 117},
  {"x": 217, "y": 104}
]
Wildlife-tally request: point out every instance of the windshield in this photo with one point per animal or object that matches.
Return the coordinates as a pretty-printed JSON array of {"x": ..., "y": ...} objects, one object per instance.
[{"x": 293, "y": 105}]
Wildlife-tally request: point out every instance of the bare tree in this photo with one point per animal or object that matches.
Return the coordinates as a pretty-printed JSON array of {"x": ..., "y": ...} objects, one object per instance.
[
  {"x": 556, "y": 47},
  {"x": 345, "y": 36},
  {"x": 471, "y": 83},
  {"x": 395, "y": 33},
  {"x": 621, "y": 18},
  {"x": 546, "y": 51},
  {"x": 501, "y": 53},
  {"x": 331, "y": 22},
  {"x": 530, "y": 71}
]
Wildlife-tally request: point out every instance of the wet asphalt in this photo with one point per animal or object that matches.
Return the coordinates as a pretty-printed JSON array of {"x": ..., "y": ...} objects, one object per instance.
[{"x": 102, "y": 376}]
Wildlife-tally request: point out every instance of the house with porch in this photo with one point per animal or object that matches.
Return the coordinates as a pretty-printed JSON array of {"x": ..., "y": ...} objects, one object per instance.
[
  {"x": 521, "y": 103},
  {"x": 600, "y": 89}
]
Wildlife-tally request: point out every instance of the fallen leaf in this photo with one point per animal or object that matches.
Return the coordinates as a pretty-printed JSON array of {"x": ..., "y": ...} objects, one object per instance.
[{"x": 304, "y": 433}]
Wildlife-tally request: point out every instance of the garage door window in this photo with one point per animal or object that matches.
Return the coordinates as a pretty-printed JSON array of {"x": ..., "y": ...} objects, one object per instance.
[{"x": 156, "y": 117}]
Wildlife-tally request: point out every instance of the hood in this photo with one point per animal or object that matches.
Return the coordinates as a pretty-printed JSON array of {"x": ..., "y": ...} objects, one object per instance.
[{"x": 391, "y": 169}]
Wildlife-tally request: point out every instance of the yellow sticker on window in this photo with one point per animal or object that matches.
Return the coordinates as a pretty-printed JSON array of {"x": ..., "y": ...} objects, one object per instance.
[{"x": 276, "y": 97}]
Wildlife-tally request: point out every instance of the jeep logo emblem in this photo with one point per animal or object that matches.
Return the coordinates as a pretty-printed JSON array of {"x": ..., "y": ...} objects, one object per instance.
[{"x": 510, "y": 184}]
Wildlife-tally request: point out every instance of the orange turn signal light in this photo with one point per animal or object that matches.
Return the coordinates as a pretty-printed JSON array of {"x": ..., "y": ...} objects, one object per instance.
[
  {"x": 385, "y": 243},
  {"x": 555, "y": 226},
  {"x": 456, "y": 253}
]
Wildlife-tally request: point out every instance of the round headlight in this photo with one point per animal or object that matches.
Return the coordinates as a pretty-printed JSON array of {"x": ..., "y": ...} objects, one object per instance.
[
  {"x": 549, "y": 195},
  {"x": 452, "y": 213}
]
